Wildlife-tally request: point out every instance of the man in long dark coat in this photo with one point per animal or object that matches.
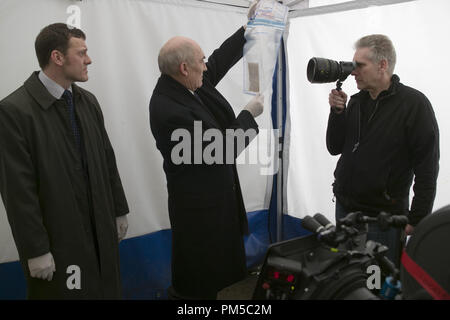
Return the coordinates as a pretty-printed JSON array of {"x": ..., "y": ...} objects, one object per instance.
[
  {"x": 58, "y": 177},
  {"x": 206, "y": 207}
]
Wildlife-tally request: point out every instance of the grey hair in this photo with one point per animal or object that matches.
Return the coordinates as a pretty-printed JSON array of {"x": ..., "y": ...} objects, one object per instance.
[
  {"x": 381, "y": 48},
  {"x": 171, "y": 56}
]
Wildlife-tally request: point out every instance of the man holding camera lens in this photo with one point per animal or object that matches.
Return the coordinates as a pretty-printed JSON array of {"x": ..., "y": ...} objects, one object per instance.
[{"x": 386, "y": 135}]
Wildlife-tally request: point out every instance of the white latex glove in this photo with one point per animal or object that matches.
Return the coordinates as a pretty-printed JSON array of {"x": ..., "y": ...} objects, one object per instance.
[
  {"x": 256, "y": 105},
  {"x": 122, "y": 226},
  {"x": 42, "y": 267},
  {"x": 252, "y": 9}
]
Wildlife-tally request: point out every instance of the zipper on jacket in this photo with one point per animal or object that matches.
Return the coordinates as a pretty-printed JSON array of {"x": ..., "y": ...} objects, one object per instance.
[
  {"x": 374, "y": 111},
  {"x": 376, "y": 106},
  {"x": 355, "y": 147}
]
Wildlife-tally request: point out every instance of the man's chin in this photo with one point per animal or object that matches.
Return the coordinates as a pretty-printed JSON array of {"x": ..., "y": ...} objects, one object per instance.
[{"x": 82, "y": 79}]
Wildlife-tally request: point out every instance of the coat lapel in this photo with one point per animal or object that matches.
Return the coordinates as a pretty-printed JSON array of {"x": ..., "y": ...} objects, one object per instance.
[
  {"x": 218, "y": 106},
  {"x": 171, "y": 88}
]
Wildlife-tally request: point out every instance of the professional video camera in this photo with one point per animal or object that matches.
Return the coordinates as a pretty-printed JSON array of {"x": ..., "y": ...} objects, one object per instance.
[
  {"x": 332, "y": 263},
  {"x": 322, "y": 70}
]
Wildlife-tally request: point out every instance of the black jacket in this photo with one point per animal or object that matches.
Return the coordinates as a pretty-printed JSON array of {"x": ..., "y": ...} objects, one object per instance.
[
  {"x": 380, "y": 157},
  {"x": 206, "y": 208}
]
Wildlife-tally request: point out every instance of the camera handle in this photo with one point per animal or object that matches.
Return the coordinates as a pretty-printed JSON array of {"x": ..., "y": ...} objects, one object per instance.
[
  {"x": 378, "y": 251},
  {"x": 338, "y": 88},
  {"x": 392, "y": 285},
  {"x": 384, "y": 221}
]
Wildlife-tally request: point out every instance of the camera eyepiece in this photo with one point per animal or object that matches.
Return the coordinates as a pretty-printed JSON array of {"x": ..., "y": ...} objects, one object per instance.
[{"x": 322, "y": 70}]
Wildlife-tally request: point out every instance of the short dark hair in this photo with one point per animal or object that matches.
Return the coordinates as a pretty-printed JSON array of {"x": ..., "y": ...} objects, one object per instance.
[{"x": 54, "y": 37}]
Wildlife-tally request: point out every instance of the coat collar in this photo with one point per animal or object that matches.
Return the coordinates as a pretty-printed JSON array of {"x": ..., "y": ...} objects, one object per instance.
[
  {"x": 169, "y": 86},
  {"x": 175, "y": 90},
  {"x": 393, "y": 88},
  {"x": 40, "y": 93}
]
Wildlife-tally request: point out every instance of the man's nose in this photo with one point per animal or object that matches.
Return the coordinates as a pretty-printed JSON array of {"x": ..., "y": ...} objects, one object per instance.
[{"x": 88, "y": 60}]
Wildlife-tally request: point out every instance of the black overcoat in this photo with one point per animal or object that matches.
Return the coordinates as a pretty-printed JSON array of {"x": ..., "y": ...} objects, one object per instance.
[
  {"x": 57, "y": 200},
  {"x": 206, "y": 208}
]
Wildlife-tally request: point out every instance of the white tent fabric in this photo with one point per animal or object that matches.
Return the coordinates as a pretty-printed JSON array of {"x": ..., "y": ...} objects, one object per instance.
[
  {"x": 418, "y": 30},
  {"x": 124, "y": 38}
]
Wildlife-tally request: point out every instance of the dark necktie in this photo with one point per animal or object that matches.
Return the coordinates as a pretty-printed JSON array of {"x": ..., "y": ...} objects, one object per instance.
[{"x": 67, "y": 95}]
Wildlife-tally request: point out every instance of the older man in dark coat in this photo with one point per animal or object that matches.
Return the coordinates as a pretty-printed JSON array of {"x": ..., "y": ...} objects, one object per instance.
[
  {"x": 206, "y": 207},
  {"x": 58, "y": 177}
]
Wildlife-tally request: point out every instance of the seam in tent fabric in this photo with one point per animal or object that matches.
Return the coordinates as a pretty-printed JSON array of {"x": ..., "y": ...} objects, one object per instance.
[
  {"x": 202, "y": 4},
  {"x": 345, "y": 6}
]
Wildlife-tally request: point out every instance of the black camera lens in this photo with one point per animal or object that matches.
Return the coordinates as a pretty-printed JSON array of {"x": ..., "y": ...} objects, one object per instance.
[{"x": 322, "y": 70}]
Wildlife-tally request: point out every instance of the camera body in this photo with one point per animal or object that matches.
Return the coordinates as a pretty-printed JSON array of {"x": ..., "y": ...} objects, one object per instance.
[
  {"x": 331, "y": 263},
  {"x": 306, "y": 269}
]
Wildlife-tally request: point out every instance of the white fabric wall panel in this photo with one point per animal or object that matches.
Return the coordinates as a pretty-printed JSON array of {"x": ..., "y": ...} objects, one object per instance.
[
  {"x": 124, "y": 38},
  {"x": 418, "y": 30}
]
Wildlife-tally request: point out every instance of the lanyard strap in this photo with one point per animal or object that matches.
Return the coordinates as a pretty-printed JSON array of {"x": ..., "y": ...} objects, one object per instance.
[{"x": 424, "y": 279}]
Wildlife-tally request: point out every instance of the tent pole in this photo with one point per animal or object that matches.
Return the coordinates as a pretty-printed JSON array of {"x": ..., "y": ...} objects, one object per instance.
[
  {"x": 343, "y": 6},
  {"x": 279, "y": 146}
]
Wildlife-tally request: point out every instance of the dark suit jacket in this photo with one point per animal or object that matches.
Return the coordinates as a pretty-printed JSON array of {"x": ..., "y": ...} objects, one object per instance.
[{"x": 206, "y": 208}]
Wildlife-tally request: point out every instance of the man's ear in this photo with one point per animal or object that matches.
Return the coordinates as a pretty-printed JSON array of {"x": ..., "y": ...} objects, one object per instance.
[
  {"x": 57, "y": 57},
  {"x": 384, "y": 65},
  {"x": 183, "y": 69}
]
